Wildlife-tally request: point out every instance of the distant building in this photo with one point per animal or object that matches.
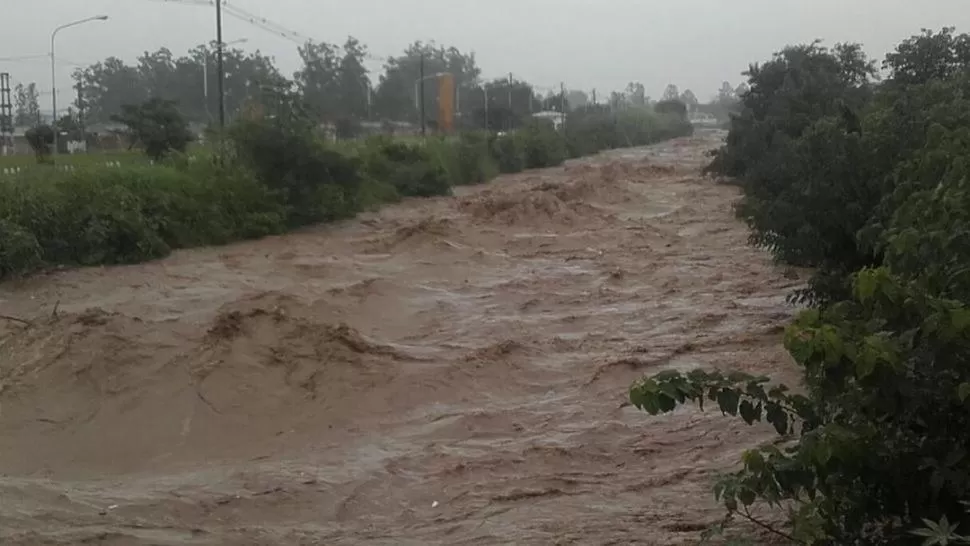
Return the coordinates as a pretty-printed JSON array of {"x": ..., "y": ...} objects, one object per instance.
[
  {"x": 20, "y": 145},
  {"x": 703, "y": 119},
  {"x": 555, "y": 117}
]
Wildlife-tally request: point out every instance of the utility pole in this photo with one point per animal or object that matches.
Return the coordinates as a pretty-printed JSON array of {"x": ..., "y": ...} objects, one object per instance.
[
  {"x": 80, "y": 114},
  {"x": 220, "y": 68},
  {"x": 562, "y": 104},
  {"x": 594, "y": 99},
  {"x": 205, "y": 84},
  {"x": 6, "y": 115},
  {"x": 511, "y": 112},
  {"x": 424, "y": 127},
  {"x": 485, "y": 91},
  {"x": 368, "y": 103}
]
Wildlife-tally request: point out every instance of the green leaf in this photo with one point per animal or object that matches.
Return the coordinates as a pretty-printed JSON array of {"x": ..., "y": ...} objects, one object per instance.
[
  {"x": 650, "y": 403},
  {"x": 719, "y": 489},
  {"x": 936, "y": 481},
  {"x": 649, "y": 385},
  {"x": 727, "y": 400},
  {"x": 833, "y": 348},
  {"x": 749, "y": 412},
  {"x": 823, "y": 452},
  {"x": 746, "y": 496},
  {"x": 865, "y": 364},
  {"x": 801, "y": 344},
  {"x": 778, "y": 418},
  {"x": 637, "y": 396},
  {"x": 963, "y": 391},
  {"x": 753, "y": 460},
  {"x": 960, "y": 318},
  {"x": 865, "y": 286},
  {"x": 666, "y": 403},
  {"x": 666, "y": 375},
  {"x": 672, "y": 391}
]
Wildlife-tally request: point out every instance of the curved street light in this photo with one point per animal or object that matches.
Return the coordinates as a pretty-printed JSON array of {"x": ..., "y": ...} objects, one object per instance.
[{"x": 54, "y": 69}]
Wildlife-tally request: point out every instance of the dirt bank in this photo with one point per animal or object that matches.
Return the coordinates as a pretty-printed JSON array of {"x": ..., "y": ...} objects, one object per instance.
[{"x": 445, "y": 371}]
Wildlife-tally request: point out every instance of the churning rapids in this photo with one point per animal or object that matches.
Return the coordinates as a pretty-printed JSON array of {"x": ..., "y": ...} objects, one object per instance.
[{"x": 443, "y": 371}]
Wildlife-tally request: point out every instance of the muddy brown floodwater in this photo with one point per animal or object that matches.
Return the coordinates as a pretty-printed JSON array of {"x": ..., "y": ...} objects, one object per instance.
[{"x": 444, "y": 371}]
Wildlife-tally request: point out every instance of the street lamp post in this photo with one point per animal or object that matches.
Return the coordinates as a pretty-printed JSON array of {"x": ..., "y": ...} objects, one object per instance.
[
  {"x": 54, "y": 70},
  {"x": 485, "y": 91},
  {"x": 219, "y": 66}
]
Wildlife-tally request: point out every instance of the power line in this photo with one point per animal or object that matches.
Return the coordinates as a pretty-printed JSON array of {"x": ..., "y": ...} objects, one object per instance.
[
  {"x": 262, "y": 23},
  {"x": 24, "y": 58},
  {"x": 39, "y": 58}
]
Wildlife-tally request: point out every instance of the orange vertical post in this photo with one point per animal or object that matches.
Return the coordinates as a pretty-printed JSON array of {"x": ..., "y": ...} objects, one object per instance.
[{"x": 446, "y": 103}]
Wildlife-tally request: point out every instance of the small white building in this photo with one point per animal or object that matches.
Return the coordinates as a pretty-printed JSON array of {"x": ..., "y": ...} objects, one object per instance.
[
  {"x": 703, "y": 119},
  {"x": 555, "y": 117}
]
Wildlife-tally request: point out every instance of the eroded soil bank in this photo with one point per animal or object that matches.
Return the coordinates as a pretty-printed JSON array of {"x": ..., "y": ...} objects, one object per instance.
[{"x": 444, "y": 371}]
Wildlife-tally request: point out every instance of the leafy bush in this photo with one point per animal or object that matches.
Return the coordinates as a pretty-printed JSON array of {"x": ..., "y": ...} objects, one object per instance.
[
  {"x": 872, "y": 185},
  {"x": 409, "y": 167},
  {"x": 542, "y": 146},
  {"x": 467, "y": 159},
  {"x": 109, "y": 215},
  {"x": 156, "y": 125},
  {"x": 796, "y": 149},
  {"x": 20, "y": 253},
  {"x": 881, "y": 440},
  {"x": 508, "y": 153},
  {"x": 675, "y": 107},
  {"x": 314, "y": 183},
  {"x": 590, "y": 131},
  {"x": 41, "y": 141}
]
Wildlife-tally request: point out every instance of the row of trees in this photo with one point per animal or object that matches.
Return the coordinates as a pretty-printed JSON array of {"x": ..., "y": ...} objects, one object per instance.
[
  {"x": 26, "y": 105},
  {"x": 334, "y": 80},
  {"x": 868, "y": 182}
]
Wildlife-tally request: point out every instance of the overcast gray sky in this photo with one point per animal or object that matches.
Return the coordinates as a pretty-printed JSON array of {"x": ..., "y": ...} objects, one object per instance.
[{"x": 587, "y": 44}]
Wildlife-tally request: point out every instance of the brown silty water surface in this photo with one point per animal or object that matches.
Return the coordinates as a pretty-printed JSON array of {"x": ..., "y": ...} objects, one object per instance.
[{"x": 444, "y": 371}]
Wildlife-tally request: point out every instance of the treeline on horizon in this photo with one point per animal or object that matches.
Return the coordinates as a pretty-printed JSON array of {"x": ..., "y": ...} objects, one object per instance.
[{"x": 335, "y": 83}]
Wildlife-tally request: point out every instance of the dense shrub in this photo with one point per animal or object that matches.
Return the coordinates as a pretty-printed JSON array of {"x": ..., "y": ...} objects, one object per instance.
[
  {"x": 872, "y": 185},
  {"x": 270, "y": 174},
  {"x": 881, "y": 436},
  {"x": 314, "y": 183},
  {"x": 597, "y": 129},
  {"x": 508, "y": 153},
  {"x": 542, "y": 146},
  {"x": 125, "y": 215},
  {"x": 20, "y": 253},
  {"x": 41, "y": 141},
  {"x": 408, "y": 166},
  {"x": 157, "y": 126},
  {"x": 674, "y": 107},
  {"x": 467, "y": 159},
  {"x": 795, "y": 147}
]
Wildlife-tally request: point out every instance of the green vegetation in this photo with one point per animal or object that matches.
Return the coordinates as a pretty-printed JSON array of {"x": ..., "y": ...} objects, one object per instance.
[
  {"x": 76, "y": 160},
  {"x": 157, "y": 126},
  {"x": 868, "y": 183},
  {"x": 274, "y": 174}
]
